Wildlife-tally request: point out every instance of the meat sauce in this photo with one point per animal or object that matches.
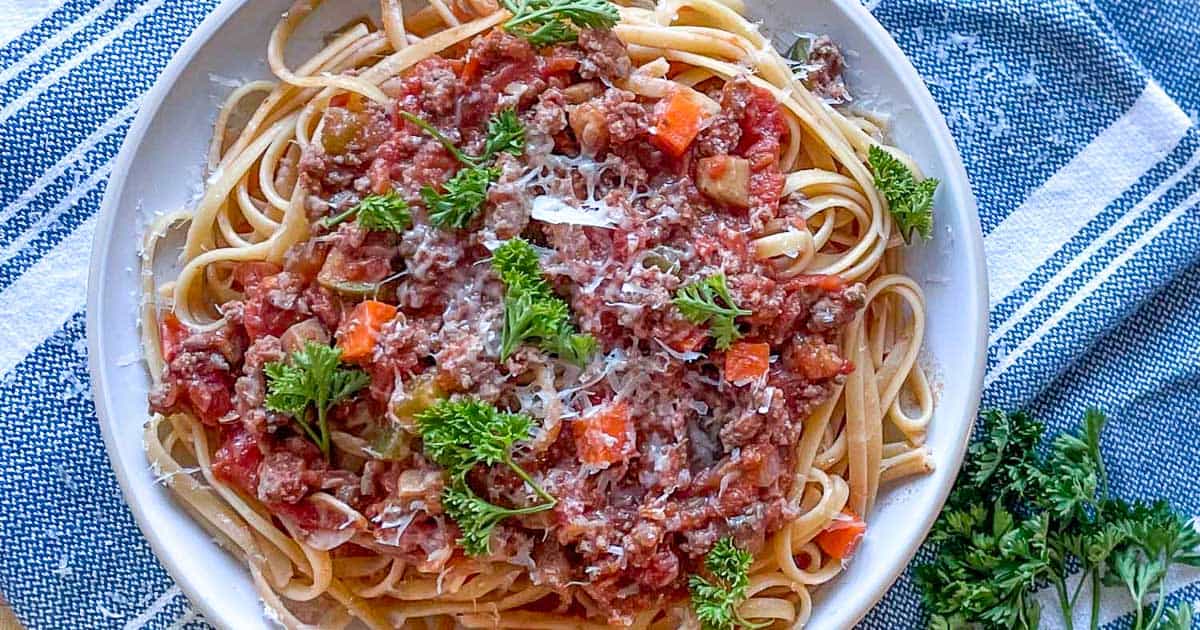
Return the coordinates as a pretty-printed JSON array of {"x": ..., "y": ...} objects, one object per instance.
[{"x": 652, "y": 453}]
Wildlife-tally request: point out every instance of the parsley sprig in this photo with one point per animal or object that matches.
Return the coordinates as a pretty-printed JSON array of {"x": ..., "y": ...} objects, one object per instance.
[
  {"x": 462, "y": 434},
  {"x": 378, "y": 213},
  {"x": 460, "y": 198},
  {"x": 311, "y": 379},
  {"x": 716, "y": 601},
  {"x": 708, "y": 302},
  {"x": 546, "y": 22},
  {"x": 531, "y": 310},
  {"x": 910, "y": 201},
  {"x": 1017, "y": 520}
]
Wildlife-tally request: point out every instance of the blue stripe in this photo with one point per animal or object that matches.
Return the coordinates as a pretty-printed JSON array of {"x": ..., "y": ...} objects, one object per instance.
[
  {"x": 73, "y": 108},
  {"x": 997, "y": 120},
  {"x": 1169, "y": 166},
  {"x": 41, "y": 32},
  {"x": 1101, "y": 257},
  {"x": 1168, "y": 254},
  {"x": 87, "y": 521},
  {"x": 95, "y": 29}
]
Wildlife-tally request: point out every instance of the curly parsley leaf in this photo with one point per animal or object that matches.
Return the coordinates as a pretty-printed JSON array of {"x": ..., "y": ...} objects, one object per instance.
[
  {"x": 461, "y": 434},
  {"x": 547, "y": 22},
  {"x": 531, "y": 310},
  {"x": 716, "y": 600},
  {"x": 379, "y": 213},
  {"x": 313, "y": 378},
  {"x": 460, "y": 198},
  {"x": 1017, "y": 520},
  {"x": 708, "y": 302},
  {"x": 505, "y": 134},
  {"x": 910, "y": 201}
]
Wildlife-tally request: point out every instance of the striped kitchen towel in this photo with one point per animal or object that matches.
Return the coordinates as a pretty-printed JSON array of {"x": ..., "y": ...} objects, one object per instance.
[{"x": 1075, "y": 119}]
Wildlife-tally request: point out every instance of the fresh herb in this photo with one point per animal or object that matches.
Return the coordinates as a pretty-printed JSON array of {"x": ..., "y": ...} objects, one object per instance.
[
  {"x": 505, "y": 134},
  {"x": 462, "y": 434},
  {"x": 546, "y": 22},
  {"x": 1017, "y": 520},
  {"x": 460, "y": 197},
  {"x": 311, "y": 378},
  {"x": 531, "y": 310},
  {"x": 378, "y": 213},
  {"x": 716, "y": 601},
  {"x": 708, "y": 302},
  {"x": 910, "y": 201}
]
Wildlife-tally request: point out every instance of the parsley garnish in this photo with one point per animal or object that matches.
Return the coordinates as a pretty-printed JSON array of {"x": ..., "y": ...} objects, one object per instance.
[
  {"x": 312, "y": 378},
  {"x": 462, "y": 434},
  {"x": 531, "y": 310},
  {"x": 460, "y": 198},
  {"x": 1016, "y": 520},
  {"x": 716, "y": 601},
  {"x": 910, "y": 201},
  {"x": 709, "y": 302},
  {"x": 379, "y": 213},
  {"x": 546, "y": 22}
]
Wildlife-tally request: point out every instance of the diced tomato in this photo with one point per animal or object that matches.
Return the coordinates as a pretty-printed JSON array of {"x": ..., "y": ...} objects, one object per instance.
[
  {"x": 676, "y": 123},
  {"x": 762, "y": 132},
  {"x": 604, "y": 436},
  {"x": 236, "y": 461},
  {"x": 171, "y": 333},
  {"x": 209, "y": 395},
  {"x": 817, "y": 360},
  {"x": 842, "y": 535},
  {"x": 745, "y": 361},
  {"x": 249, "y": 274},
  {"x": 359, "y": 332},
  {"x": 261, "y": 316}
]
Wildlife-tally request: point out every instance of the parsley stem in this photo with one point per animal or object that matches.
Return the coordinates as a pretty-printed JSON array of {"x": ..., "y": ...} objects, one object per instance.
[
  {"x": 1162, "y": 600},
  {"x": 1095, "y": 621},
  {"x": 551, "y": 501},
  {"x": 331, "y": 221},
  {"x": 440, "y": 137},
  {"x": 324, "y": 428},
  {"x": 1064, "y": 602}
]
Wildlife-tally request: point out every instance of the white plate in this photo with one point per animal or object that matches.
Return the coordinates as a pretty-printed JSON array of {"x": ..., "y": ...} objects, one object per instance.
[{"x": 159, "y": 169}]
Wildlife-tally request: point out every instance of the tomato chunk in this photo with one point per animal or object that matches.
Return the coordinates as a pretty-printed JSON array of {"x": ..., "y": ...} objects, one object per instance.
[
  {"x": 359, "y": 333},
  {"x": 236, "y": 461},
  {"x": 745, "y": 361},
  {"x": 249, "y": 274},
  {"x": 677, "y": 121},
  {"x": 604, "y": 436},
  {"x": 842, "y": 536},
  {"x": 171, "y": 333}
]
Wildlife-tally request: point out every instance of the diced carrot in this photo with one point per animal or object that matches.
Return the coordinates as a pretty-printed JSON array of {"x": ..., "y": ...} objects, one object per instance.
[
  {"x": 604, "y": 436},
  {"x": 358, "y": 334},
  {"x": 676, "y": 123},
  {"x": 745, "y": 361},
  {"x": 842, "y": 535},
  {"x": 171, "y": 333},
  {"x": 825, "y": 282},
  {"x": 349, "y": 100},
  {"x": 250, "y": 273}
]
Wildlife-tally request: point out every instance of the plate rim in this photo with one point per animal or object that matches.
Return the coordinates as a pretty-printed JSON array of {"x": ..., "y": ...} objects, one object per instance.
[{"x": 152, "y": 99}]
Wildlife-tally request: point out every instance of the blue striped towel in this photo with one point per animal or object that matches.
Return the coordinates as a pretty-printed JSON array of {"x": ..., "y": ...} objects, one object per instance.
[{"x": 1075, "y": 118}]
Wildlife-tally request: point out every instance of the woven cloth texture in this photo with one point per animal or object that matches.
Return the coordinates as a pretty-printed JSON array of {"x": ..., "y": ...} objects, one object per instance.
[{"x": 1075, "y": 119}]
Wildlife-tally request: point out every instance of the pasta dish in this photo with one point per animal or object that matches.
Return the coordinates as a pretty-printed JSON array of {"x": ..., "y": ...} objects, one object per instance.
[{"x": 541, "y": 314}]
